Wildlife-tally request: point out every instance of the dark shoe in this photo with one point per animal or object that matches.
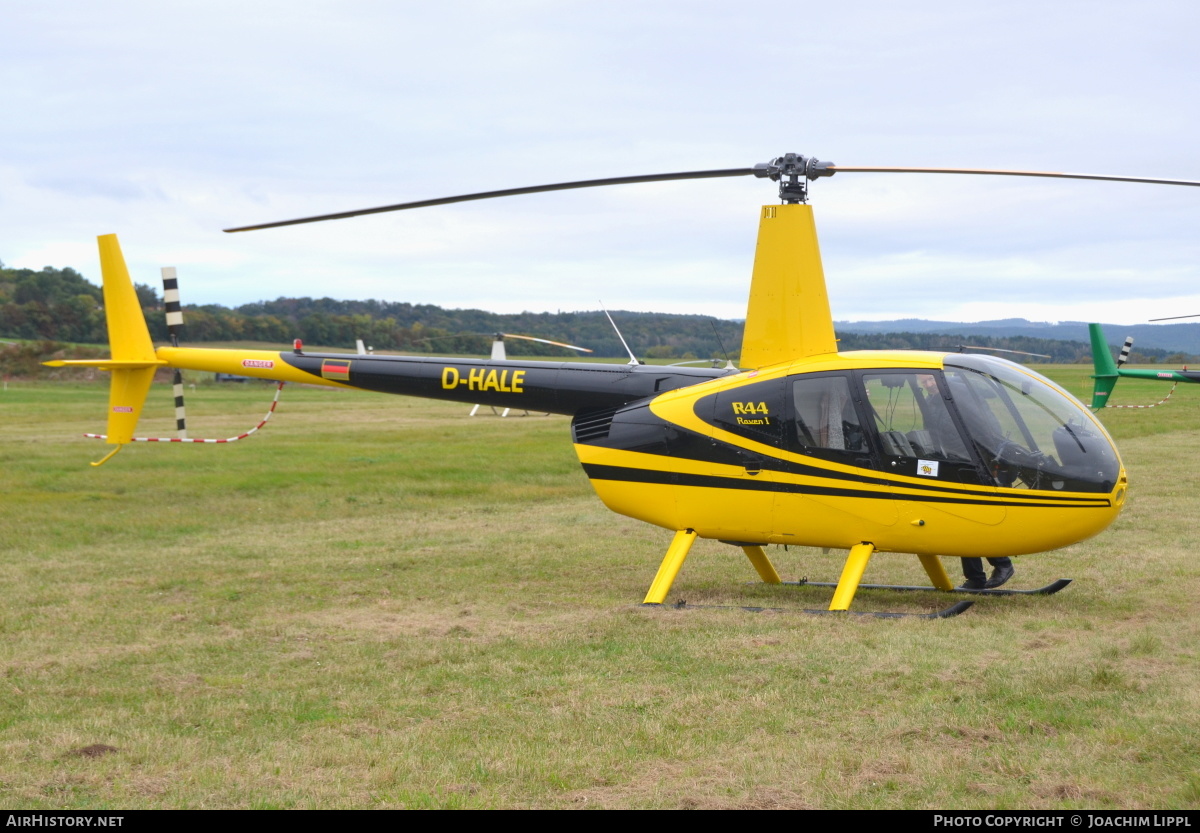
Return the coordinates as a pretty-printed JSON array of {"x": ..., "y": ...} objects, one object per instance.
[
  {"x": 974, "y": 584},
  {"x": 999, "y": 576}
]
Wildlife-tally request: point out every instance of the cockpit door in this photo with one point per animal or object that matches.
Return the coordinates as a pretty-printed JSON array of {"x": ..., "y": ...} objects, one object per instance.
[
  {"x": 834, "y": 492},
  {"x": 930, "y": 464}
]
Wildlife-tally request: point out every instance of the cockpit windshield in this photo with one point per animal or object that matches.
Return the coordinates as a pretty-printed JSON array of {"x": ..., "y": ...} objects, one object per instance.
[{"x": 1029, "y": 432}]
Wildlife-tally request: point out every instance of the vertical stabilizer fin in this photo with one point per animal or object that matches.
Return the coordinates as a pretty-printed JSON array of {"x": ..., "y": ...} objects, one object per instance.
[
  {"x": 127, "y": 333},
  {"x": 788, "y": 315},
  {"x": 1106, "y": 375},
  {"x": 129, "y": 339}
]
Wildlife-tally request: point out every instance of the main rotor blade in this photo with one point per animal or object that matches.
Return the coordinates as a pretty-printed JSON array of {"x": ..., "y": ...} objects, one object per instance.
[
  {"x": 548, "y": 341},
  {"x": 962, "y": 347},
  {"x": 507, "y": 192},
  {"x": 790, "y": 168},
  {"x": 1173, "y": 317},
  {"x": 994, "y": 172}
]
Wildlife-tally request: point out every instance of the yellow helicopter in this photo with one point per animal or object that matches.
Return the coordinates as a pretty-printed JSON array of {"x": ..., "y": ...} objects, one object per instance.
[{"x": 930, "y": 454}]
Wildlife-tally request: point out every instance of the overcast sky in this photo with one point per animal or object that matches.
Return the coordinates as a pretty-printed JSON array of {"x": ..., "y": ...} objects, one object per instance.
[{"x": 167, "y": 122}]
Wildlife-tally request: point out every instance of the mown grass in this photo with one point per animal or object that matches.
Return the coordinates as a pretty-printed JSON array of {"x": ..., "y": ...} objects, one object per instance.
[{"x": 379, "y": 602}]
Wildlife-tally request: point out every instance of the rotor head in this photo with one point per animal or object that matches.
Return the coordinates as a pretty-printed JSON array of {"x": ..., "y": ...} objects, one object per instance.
[{"x": 790, "y": 171}]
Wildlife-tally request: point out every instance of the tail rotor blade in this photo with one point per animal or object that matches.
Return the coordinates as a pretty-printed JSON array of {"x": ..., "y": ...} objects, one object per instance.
[
  {"x": 1124, "y": 356},
  {"x": 174, "y": 312},
  {"x": 171, "y": 303}
]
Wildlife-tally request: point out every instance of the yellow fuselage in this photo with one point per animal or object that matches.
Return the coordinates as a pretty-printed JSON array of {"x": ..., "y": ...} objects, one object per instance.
[{"x": 789, "y": 497}]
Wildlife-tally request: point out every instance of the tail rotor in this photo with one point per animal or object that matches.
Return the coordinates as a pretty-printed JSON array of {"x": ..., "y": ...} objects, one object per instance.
[
  {"x": 1125, "y": 348},
  {"x": 174, "y": 312}
]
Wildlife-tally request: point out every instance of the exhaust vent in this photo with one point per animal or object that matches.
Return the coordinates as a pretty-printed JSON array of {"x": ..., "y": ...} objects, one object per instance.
[{"x": 590, "y": 426}]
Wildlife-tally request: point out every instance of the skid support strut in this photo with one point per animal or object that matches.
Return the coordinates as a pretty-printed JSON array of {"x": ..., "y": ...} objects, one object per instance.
[
  {"x": 936, "y": 572},
  {"x": 852, "y": 573},
  {"x": 670, "y": 566},
  {"x": 758, "y": 557}
]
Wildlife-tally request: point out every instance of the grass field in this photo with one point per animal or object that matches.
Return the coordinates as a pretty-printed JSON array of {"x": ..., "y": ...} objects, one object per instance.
[{"x": 378, "y": 602}]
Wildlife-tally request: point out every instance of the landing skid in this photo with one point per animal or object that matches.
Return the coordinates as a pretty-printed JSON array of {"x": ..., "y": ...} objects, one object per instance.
[
  {"x": 1048, "y": 590},
  {"x": 953, "y": 610},
  {"x": 845, "y": 588}
]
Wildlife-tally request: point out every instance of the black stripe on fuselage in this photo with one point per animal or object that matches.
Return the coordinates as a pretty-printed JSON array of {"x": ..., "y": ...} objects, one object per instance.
[
  {"x": 683, "y": 444},
  {"x": 749, "y": 483}
]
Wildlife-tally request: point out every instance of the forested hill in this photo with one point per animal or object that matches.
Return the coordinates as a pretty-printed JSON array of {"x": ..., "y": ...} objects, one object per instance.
[
  {"x": 61, "y": 305},
  {"x": 1182, "y": 337}
]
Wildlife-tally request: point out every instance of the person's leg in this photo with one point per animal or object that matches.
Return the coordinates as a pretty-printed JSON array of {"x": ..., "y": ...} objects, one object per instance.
[
  {"x": 1002, "y": 572},
  {"x": 976, "y": 578}
]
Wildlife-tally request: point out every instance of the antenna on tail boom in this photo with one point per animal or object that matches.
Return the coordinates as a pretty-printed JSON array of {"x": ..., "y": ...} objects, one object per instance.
[{"x": 633, "y": 360}]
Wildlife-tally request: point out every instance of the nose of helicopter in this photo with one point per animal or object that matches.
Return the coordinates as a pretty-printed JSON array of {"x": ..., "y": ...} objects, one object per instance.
[{"x": 1055, "y": 463}]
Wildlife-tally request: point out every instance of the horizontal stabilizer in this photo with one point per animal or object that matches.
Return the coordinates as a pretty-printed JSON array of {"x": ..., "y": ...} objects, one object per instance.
[{"x": 104, "y": 364}]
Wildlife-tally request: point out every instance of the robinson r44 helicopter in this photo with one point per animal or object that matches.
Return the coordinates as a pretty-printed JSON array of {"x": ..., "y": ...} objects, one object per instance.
[{"x": 872, "y": 451}]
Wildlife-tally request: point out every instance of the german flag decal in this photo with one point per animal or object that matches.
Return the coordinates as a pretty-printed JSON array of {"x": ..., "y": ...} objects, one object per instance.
[{"x": 335, "y": 369}]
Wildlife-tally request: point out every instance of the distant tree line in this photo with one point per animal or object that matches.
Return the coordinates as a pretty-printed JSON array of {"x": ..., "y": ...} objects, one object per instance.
[
  {"x": 50, "y": 304},
  {"x": 1060, "y": 352},
  {"x": 61, "y": 305}
]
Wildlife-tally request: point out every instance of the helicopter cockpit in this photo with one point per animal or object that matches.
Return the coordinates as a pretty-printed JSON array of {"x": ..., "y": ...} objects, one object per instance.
[
  {"x": 979, "y": 420},
  {"x": 985, "y": 420},
  {"x": 1046, "y": 438}
]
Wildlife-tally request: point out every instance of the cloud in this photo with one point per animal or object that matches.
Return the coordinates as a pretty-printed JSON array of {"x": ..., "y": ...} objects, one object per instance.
[{"x": 167, "y": 123}]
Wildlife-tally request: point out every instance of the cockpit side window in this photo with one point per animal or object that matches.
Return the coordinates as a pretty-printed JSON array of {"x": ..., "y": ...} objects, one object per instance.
[
  {"x": 918, "y": 435},
  {"x": 825, "y": 415},
  {"x": 824, "y": 421}
]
